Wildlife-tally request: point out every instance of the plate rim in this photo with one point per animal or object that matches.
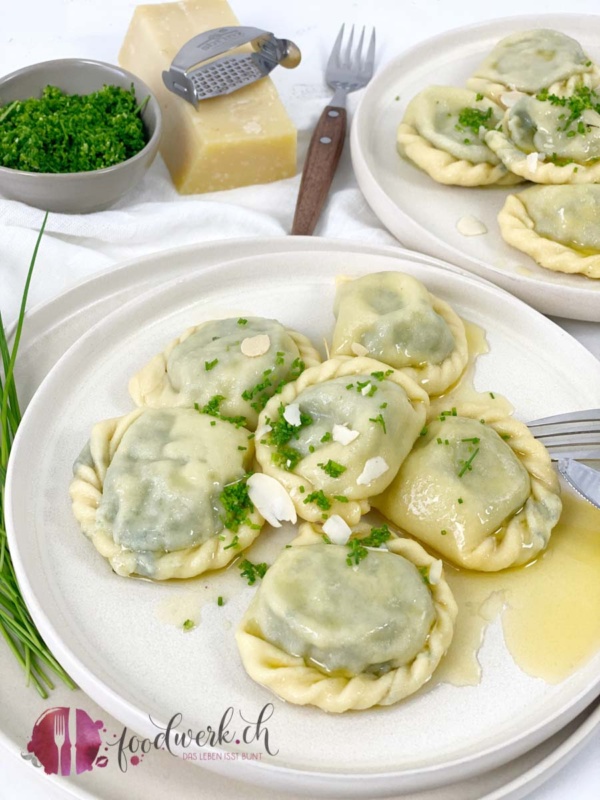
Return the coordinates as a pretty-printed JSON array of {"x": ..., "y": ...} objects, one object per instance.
[{"x": 459, "y": 764}]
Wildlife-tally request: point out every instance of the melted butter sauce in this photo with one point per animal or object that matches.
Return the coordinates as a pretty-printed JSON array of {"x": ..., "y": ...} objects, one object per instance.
[
  {"x": 549, "y": 609},
  {"x": 186, "y": 598}
]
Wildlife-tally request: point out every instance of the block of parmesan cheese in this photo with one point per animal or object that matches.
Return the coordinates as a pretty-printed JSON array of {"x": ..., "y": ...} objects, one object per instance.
[{"x": 235, "y": 140}]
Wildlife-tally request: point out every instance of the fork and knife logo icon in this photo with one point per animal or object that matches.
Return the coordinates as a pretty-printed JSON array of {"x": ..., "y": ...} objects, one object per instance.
[
  {"x": 65, "y": 731},
  {"x": 66, "y": 741}
]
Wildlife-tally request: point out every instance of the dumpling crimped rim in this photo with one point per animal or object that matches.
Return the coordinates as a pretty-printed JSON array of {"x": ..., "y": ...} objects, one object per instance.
[
  {"x": 86, "y": 493},
  {"x": 545, "y": 172},
  {"x": 518, "y": 229},
  {"x": 445, "y": 168},
  {"x": 518, "y": 543},
  {"x": 292, "y": 679},
  {"x": 494, "y": 90},
  {"x": 435, "y": 378},
  {"x": 337, "y": 367},
  {"x": 151, "y": 386}
]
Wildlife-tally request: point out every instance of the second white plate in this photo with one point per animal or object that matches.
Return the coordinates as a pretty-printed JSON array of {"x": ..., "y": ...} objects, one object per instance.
[
  {"x": 106, "y": 630},
  {"x": 423, "y": 214}
]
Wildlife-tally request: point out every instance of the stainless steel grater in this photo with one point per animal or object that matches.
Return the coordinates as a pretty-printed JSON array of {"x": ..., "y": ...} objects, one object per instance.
[{"x": 194, "y": 80}]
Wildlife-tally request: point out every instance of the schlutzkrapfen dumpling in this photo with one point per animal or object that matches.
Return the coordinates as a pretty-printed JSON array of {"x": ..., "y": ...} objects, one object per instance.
[
  {"x": 231, "y": 366},
  {"x": 529, "y": 61},
  {"x": 162, "y": 492},
  {"x": 443, "y": 132},
  {"x": 338, "y": 435},
  {"x": 346, "y": 627},
  {"x": 551, "y": 139},
  {"x": 558, "y": 226},
  {"x": 478, "y": 488},
  {"x": 392, "y": 317}
]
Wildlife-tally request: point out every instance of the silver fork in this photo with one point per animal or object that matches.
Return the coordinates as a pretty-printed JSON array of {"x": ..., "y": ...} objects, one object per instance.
[
  {"x": 348, "y": 69},
  {"x": 569, "y": 438},
  {"x": 59, "y": 738}
]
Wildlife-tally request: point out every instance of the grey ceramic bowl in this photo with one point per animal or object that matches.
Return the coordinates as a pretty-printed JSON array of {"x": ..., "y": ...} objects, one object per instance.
[{"x": 78, "y": 192}]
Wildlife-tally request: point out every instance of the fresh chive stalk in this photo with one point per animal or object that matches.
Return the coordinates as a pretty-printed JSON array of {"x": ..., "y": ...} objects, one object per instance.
[{"x": 16, "y": 626}]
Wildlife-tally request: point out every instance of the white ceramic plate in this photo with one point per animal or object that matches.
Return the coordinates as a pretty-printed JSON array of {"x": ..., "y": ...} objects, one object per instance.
[
  {"x": 423, "y": 214},
  {"x": 105, "y": 630},
  {"x": 49, "y": 330}
]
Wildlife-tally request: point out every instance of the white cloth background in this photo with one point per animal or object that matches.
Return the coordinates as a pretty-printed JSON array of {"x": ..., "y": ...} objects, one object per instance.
[{"x": 154, "y": 217}]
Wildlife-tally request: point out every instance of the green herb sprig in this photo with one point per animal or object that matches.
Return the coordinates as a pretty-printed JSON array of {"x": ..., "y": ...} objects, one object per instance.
[{"x": 16, "y": 625}]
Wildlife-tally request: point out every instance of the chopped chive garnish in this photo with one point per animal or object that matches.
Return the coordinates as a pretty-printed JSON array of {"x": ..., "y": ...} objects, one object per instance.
[
  {"x": 333, "y": 469},
  {"x": 252, "y": 571},
  {"x": 237, "y": 506},
  {"x": 379, "y": 420},
  {"x": 319, "y": 499},
  {"x": 220, "y": 601},
  {"x": 468, "y": 464},
  {"x": 208, "y": 365},
  {"x": 235, "y": 542}
]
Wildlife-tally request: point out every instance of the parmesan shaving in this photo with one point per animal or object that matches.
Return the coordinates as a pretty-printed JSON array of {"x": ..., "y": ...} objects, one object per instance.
[
  {"x": 343, "y": 435},
  {"x": 270, "y": 499},
  {"x": 254, "y": 346},
  {"x": 373, "y": 469},
  {"x": 337, "y": 529},
  {"x": 470, "y": 226},
  {"x": 532, "y": 161},
  {"x": 291, "y": 415}
]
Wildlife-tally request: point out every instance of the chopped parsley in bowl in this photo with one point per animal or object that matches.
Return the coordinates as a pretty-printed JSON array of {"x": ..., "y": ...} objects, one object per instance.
[{"x": 75, "y": 134}]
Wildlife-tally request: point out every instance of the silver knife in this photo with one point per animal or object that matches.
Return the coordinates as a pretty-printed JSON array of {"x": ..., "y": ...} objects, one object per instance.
[
  {"x": 584, "y": 479},
  {"x": 72, "y": 741}
]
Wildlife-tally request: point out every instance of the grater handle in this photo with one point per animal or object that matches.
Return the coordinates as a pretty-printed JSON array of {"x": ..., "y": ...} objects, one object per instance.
[{"x": 321, "y": 163}]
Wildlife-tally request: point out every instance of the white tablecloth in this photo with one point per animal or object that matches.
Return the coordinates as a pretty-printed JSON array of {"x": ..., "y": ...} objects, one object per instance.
[{"x": 154, "y": 217}]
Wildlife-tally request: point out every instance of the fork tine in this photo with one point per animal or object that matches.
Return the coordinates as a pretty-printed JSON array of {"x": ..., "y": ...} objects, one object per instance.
[
  {"x": 370, "y": 61},
  {"x": 359, "y": 48},
  {"x": 334, "y": 58},
  {"x": 348, "y": 60},
  {"x": 589, "y": 415}
]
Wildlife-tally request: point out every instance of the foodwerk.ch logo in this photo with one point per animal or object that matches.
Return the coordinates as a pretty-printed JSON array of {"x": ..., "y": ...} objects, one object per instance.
[{"x": 67, "y": 741}]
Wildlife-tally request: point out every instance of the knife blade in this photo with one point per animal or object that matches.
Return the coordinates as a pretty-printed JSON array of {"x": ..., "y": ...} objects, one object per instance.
[{"x": 584, "y": 479}]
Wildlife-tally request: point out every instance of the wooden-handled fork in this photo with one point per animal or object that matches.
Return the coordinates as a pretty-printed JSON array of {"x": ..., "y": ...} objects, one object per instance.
[{"x": 345, "y": 73}]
